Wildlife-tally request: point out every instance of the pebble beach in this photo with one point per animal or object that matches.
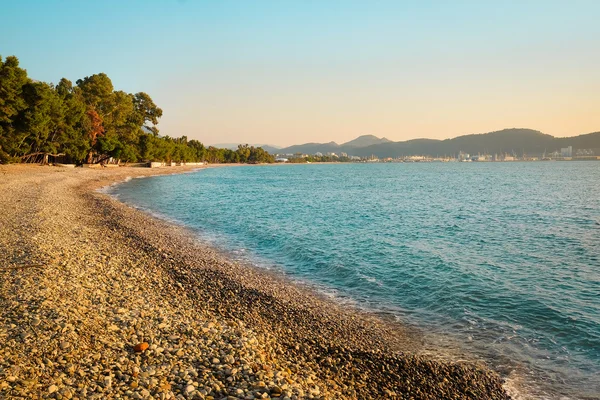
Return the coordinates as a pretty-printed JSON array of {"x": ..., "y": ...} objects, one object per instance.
[{"x": 99, "y": 300}]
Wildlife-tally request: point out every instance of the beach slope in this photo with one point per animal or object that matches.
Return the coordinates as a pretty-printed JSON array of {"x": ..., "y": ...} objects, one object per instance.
[{"x": 84, "y": 279}]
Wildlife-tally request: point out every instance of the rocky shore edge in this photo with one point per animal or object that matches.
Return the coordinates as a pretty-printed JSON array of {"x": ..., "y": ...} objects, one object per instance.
[{"x": 99, "y": 300}]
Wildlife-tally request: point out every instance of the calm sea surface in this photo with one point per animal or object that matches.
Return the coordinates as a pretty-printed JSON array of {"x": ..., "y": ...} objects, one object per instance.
[{"x": 501, "y": 260}]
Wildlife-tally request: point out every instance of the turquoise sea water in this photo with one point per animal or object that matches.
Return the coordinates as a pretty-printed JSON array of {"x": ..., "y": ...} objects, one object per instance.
[{"x": 500, "y": 259}]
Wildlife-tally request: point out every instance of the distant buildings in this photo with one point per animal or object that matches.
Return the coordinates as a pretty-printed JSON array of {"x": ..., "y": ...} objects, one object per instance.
[
  {"x": 564, "y": 154},
  {"x": 566, "y": 151},
  {"x": 481, "y": 157},
  {"x": 584, "y": 152},
  {"x": 466, "y": 157}
]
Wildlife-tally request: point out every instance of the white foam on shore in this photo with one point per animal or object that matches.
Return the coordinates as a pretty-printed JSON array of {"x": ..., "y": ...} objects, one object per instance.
[
  {"x": 108, "y": 188},
  {"x": 515, "y": 387}
]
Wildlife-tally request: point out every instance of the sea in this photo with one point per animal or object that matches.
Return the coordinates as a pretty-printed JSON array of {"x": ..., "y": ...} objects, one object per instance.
[{"x": 495, "y": 262}]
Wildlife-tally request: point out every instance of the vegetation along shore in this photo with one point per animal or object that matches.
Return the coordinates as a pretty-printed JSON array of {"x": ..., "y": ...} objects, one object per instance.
[
  {"x": 98, "y": 300},
  {"x": 92, "y": 122}
]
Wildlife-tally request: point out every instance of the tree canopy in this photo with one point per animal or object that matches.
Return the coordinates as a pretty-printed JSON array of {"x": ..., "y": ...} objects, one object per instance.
[{"x": 91, "y": 122}]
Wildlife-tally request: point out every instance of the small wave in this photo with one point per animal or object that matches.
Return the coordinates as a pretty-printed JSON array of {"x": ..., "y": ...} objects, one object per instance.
[
  {"x": 109, "y": 189},
  {"x": 370, "y": 279},
  {"x": 511, "y": 385}
]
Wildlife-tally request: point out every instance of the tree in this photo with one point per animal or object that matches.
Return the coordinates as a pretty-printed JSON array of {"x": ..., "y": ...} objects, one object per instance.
[
  {"x": 74, "y": 141},
  {"x": 12, "y": 80},
  {"x": 243, "y": 152},
  {"x": 146, "y": 111},
  {"x": 97, "y": 91},
  {"x": 39, "y": 124},
  {"x": 93, "y": 127},
  {"x": 198, "y": 149},
  {"x": 259, "y": 155}
]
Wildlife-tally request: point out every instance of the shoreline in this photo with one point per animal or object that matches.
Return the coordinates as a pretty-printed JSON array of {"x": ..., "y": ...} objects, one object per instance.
[{"x": 293, "y": 344}]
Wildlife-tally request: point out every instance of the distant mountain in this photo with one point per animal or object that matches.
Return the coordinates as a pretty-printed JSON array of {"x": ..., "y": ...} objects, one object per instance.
[
  {"x": 333, "y": 147},
  {"x": 515, "y": 140},
  {"x": 311, "y": 148},
  {"x": 366, "y": 140},
  {"x": 270, "y": 149},
  {"x": 233, "y": 146}
]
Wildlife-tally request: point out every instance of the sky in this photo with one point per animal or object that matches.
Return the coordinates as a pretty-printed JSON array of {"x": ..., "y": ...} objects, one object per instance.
[{"x": 290, "y": 72}]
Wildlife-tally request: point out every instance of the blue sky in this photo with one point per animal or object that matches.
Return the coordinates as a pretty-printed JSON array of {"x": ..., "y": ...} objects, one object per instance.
[{"x": 284, "y": 72}]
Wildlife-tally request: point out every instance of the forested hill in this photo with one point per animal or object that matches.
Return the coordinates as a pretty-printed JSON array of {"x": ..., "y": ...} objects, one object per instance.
[
  {"x": 312, "y": 148},
  {"x": 511, "y": 141},
  {"x": 91, "y": 122}
]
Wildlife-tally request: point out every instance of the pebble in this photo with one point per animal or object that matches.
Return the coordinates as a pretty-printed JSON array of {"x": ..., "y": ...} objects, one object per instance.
[
  {"x": 189, "y": 389},
  {"x": 140, "y": 347}
]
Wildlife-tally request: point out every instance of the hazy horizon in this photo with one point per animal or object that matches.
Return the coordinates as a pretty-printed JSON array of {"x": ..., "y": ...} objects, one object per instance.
[{"x": 296, "y": 72}]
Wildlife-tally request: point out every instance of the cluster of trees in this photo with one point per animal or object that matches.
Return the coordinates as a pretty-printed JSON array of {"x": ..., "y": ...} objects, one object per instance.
[
  {"x": 243, "y": 154},
  {"x": 91, "y": 122}
]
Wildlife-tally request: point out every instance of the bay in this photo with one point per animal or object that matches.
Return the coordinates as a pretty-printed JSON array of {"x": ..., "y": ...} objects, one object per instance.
[{"x": 499, "y": 259}]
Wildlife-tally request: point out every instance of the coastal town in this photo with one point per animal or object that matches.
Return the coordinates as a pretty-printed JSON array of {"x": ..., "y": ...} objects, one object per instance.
[{"x": 562, "y": 154}]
